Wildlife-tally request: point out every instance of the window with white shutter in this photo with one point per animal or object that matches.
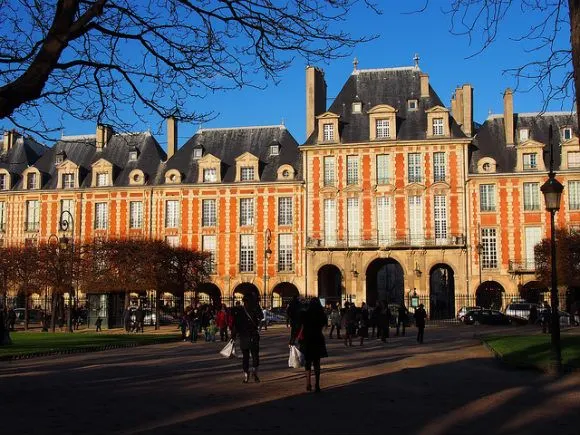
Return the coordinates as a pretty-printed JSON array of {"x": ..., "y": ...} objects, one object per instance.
[
  {"x": 385, "y": 220},
  {"x": 440, "y": 213},
  {"x": 416, "y": 220},
  {"x": 247, "y": 253},
  {"x": 330, "y": 222},
  {"x": 171, "y": 213},
  {"x": 353, "y": 221}
]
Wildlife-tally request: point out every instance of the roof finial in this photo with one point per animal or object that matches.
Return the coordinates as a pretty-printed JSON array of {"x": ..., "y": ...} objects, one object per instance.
[
  {"x": 283, "y": 122},
  {"x": 416, "y": 59},
  {"x": 355, "y": 64}
]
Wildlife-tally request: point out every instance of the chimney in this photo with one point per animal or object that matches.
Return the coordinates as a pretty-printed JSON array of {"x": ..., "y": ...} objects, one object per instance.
[
  {"x": 171, "y": 136},
  {"x": 10, "y": 138},
  {"x": 315, "y": 97},
  {"x": 458, "y": 112},
  {"x": 508, "y": 116},
  {"x": 424, "y": 85},
  {"x": 467, "y": 118},
  {"x": 104, "y": 134}
]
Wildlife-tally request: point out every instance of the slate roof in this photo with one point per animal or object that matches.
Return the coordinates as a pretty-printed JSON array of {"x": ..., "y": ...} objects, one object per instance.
[
  {"x": 229, "y": 143},
  {"x": 392, "y": 86},
  {"x": 490, "y": 138},
  {"x": 24, "y": 153},
  {"x": 82, "y": 151}
]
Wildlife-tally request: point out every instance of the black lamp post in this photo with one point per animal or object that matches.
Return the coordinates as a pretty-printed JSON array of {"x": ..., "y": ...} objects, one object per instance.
[
  {"x": 66, "y": 221},
  {"x": 552, "y": 191},
  {"x": 267, "y": 253}
]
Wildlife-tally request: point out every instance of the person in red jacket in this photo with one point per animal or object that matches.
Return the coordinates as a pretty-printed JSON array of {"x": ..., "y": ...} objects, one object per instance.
[{"x": 222, "y": 320}]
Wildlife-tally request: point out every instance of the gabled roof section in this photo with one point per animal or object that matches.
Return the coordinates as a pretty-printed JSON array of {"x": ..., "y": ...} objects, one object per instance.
[
  {"x": 490, "y": 138},
  {"x": 227, "y": 144},
  {"x": 25, "y": 152},
  {"x": 387, "y": 86}
]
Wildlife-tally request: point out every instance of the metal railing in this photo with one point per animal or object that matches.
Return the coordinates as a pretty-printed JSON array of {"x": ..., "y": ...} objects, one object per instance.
[
  {"x": 380, "y": 241},
  {"x": 31, "y": 226},
  {"x": 524, "y": 265},
  {"x": 284, "y": 267}
]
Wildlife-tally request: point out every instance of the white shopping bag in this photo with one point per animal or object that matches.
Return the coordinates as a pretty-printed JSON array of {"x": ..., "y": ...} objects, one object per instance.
[
  {"x": 296, "y": 358},
  {"x": 229, "y": 350}
]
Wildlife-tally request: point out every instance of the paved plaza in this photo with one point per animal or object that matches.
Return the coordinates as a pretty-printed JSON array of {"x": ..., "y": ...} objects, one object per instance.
[{"x": 449, "y": 385}]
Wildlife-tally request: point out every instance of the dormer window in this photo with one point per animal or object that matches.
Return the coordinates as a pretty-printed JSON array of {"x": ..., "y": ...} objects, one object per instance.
[
  {"x": 274, "y": 150},
  {"x": 357, "y": 107},
  {"x": 68, "y": 180},
  {"x": 412, "y": 105},
  {"x": 530, "y": 161},
  {"x": 3, "y": 182},
  {"x": 438, "y": 129},
  {"x": 247, "y": 173},
  {"x": 486, "y": 167},
  {"x": 566, "y": 133},
  {"x": 31, "y": 180},
  {"x": 210, "y": 175},
  {"x": 197, "y": 153},
  {"x": 133, "y": 156},
  {"x": 437, "y": 122},
  {"x": 102, "y": 179},
  {"x": 383, "y": 128},
  {"x": 60, "y": 157},
  {"x": 523, "y": 134},
  {"x": 328, "y": 132}
]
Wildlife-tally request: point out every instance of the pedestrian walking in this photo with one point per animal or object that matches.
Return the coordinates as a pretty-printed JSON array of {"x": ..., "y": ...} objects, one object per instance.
[
  {"x": 374, "y": 320},
  {"x": 384, "y": 321},
  {"x": 349, "y": 322},
  {"x": 546, "y": 318},
  {"x": 363, "y": 323},
  {"x": 420, "y": 316},
  {"x": 402, "y": 318},
  {"x": 127, "y": 319},
  {"x": 247, "y": 319},
  {"x": 98, "y": 324},
  {"x": 312, "y": 343},
  {"x": 139, "y": 319},
  {"x": 334, "y": 321},
  {"x": 221, "y": 320}
]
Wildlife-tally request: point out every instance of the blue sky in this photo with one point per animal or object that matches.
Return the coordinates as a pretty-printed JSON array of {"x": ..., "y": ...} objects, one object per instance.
[{"x": 442, "y": 55}]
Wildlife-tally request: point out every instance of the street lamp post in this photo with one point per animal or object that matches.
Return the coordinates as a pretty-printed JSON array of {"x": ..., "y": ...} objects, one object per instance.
[
  {"x": 66, "y": 221},
  {"x": 267, "y": 253},
  {"x": 552, "y": 191}
]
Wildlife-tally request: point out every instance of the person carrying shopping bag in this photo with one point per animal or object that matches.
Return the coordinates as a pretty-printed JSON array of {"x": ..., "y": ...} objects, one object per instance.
[
  {"x": 312, "y": 343},
  {"x": 247, "y": 320}
]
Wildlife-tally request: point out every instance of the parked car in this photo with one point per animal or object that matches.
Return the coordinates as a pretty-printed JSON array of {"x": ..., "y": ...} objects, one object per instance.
[
  {"x": 149, "y": 318},
  {"x": 521, "y": 309},
  {"x": 272, "y": 317},
  {"x": 34, "y": 316},
  {"x": 465, "y": 309},
  {"x": 491, "y": 317}
]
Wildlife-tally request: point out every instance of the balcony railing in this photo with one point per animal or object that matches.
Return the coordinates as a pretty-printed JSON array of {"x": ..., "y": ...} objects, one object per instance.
[
  {"x": 284, "y": 267},
  {"x": 247, "y": 267},
  {"x": 522, "y": 266},
  {"x": 31, "y": 226},
  {"x": 382, "y": 241}
]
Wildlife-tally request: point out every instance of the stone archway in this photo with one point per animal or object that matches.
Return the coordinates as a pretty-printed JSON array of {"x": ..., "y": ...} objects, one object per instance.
[
  {"x": 385, "y": 281},
  {"x": 208, "y": 293},
  {"x": 489, "y": 294},
  {"x": 282, "y": 293},
  {"x": 246, "y": 289},
  {"x": 330, "y": 284},
  {"x": 441, "y": 292},
  {"x": 532, "y": 291}
]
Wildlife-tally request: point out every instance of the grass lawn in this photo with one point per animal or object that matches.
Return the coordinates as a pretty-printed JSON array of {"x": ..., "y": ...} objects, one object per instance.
[
  {"x": 35, "y": 342},
  {"x": 535, "y": 350}
]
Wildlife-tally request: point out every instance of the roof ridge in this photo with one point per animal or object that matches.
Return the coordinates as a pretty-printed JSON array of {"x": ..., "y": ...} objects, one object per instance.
[
  {"x": 398, "y": 68},
  {"x": 281, "y": 126},
  {"x": 78, "y": 137},
  {"x": 532, "y": 114}
]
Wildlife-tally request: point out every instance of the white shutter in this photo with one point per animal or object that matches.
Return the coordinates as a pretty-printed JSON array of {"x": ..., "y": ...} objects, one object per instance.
[
  {"x": 329, "y": 222},
  {"x": 416, "y": 220},
  {"x": 353, "y": 224},
  {"x": 533, "y": 237},
  {"x": 385, "y": 220}
]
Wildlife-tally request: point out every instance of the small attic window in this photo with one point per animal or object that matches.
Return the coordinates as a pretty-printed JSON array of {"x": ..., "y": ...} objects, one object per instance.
[
  {"x": 412, "y": 105},
  {"x": 567, "y": 133},
  {"x": 285, "y": 173},
  {"x": 197, "y": 153},
  {"x": 132, "y": 156},
  {"x": 486, "y": 167},
  {"x": 59, "y": 158},
  {"x": 274, "y": 150},
  {"x": 357, "y": 107},
  {"x": 523, "y": 134}
]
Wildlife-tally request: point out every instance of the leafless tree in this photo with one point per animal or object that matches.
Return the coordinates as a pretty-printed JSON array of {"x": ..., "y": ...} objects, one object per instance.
[
  {"x": 92, "y": 59},
  {"x": 553, "y": 58},
  {"x": 27, "y": 276}
]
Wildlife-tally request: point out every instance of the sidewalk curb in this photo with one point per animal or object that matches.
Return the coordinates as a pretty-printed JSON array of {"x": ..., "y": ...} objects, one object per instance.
[{"x": 96, "y": 348}]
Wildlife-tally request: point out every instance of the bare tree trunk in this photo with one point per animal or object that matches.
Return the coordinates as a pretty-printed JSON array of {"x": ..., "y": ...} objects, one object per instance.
[
  {"x": 53, "y": 311},
  {"x": 26, "y": 314},
  {"x": 574, "y": 7}
]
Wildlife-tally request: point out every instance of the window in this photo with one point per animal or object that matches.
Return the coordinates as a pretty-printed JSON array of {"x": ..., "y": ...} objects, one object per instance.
[
  {"x": 437, "y": 126},
  {"x": 68, "y": 181},
  {"x": 533, "y": 237},
  {"x": 172, "y": 241},
  {"x": 135, "y": 214},
  {"x": 285, "y": 211},
  {"x": 2, "y": 217},
  {"x": 31, "y": 180},
  {"x": 383, "y": 163},
  {"x": 247, "y": 173},
  {"x": 574, "y": 195},
  {"x": 486, "y": 167},
  {"x": 416, "y": 220},
  {"x": 329, "y": 171},
  {"x": 197, "y": 153},
  {"x": 414, "y": 167},
  {"x": 440, "y": 213},
  {"x": 285, "y": 253},
  {"x": 383, "y": 128},
  {"x": 208, "y": 213},
  {"x": 567, "y": 133},
  {"x": 246, "y": 211},
  {"x": 524, "y": 134},
  {"x": 32, "y": 215},
  {"x": 353, "y": 224},
  {"x": 489, "y": 248},
  {"x": 357, "y": 107},
  {"x": 573, "y": 159},
  {"x": 384, "y": 219},
  {"x": 274, "y": 150},
  {"x": 208, "y": 244},
  {"x": 59, "y": 158},
  {"x": 247, "y": 253},
  {"x": 132, "y": 156},
  {"x": 531, "y": 196},
  {"x": 412, "y": 104},
  {"x": 351, "y": 170},
  {"x": 171, "y": 213},
  {"x": 67, "y": 210},
  {"x": 530, "y": 161},
  {"x": 102, "y": 179},
  {"x": 209, "y": 175},
  {"x": 328, "y": 132},
  {"x": 487, "y": 197},
  {"x": 329, "y": 222},
  {"x": 3, "y": 182},
  {"x": 438, "y": 167},
  {"x": 101, "y": 215}
]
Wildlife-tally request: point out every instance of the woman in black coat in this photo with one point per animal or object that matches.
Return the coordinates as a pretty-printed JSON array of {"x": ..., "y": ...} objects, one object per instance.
[{"x": 312, "y": 343}]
